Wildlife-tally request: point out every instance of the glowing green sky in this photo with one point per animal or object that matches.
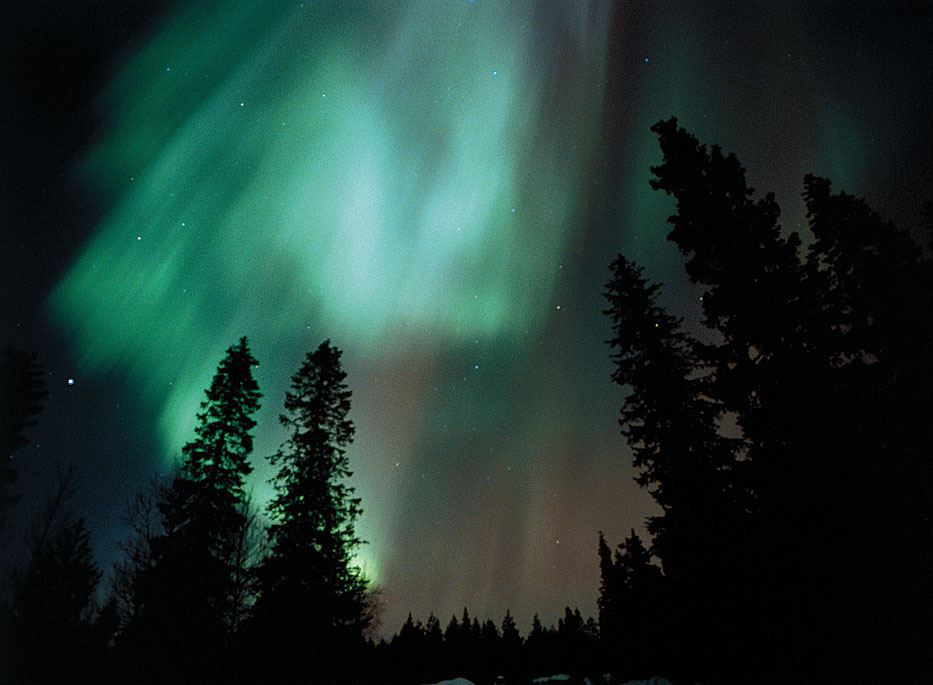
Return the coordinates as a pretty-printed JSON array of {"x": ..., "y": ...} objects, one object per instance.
[
  {"x": 437, "y": 187},
  {"x": 402, "y": 179},
  {"x": 277, "y": 168}
]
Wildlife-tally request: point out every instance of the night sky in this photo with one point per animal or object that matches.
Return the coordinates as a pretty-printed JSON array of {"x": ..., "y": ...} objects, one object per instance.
[{"x": 436, "y": 187}]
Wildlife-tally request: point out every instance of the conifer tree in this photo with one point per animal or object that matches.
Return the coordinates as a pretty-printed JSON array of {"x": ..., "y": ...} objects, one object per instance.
[
  {"x": 408, "y": 650},
  {"x": 468, "y": 628},
  {"x": 184, "y": 596},
  {"x": 409, "y": 635},
  {"x": 452, "y": 631},
  {"x": 540, "y": 654},
  {"x": 537, "y": 629},
  {"x": 610, "y": 596},
  {"x": 670, "y": 418},
  {"x": 310, "y": 586},
  {"x": 820, "y": 360},
  {"x": 511, "y": 638},
  {"x": 511, "y": 647},
  {"x": 823, "y": 360},
  {"x": 633, "y": 607},
  {"x": 433, "y": 633},
  {"x": 433, "y": 650},
  {"x": 873, "y": 438}
]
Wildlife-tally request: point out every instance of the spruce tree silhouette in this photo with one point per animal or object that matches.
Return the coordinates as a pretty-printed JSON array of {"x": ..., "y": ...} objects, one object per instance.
[
  {"x": 459, "y": 644},
  {"x": 609, "y": 602},
  {"x": 433, "y": 656},
  {"x": 453, "y": 647},
  {"x": 540, "y": 654},
  {"x": 511, "y": 653},
  {"x": 769, "y": 370},
  {"x": 670, "y": 420},
  {"x": 488, "y": 650},
  {"x": 876, "y": 288},
  {"x": 313, "y": 607},
  {"x": 820, "y": 361},
  {"x": 407, "y": 649},
  {"x": 183, "y": 596},
  {"x": 633, "y": 610}
]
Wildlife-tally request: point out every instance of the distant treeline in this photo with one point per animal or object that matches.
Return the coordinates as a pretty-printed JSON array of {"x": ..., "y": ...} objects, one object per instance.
[{"x": 484, "y": 651}]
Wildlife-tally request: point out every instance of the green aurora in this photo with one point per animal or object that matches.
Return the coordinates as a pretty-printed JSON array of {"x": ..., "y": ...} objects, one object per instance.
[{"x": 273, "y": 168}]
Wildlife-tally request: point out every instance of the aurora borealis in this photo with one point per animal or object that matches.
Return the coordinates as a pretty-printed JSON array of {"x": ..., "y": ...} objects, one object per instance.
[
  {"x": 373, "y": 190},
  {"x": 437, "y": 187}
]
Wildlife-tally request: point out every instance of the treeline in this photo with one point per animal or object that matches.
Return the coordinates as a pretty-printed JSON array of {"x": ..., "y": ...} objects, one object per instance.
[{"x": 486, "y": 652}]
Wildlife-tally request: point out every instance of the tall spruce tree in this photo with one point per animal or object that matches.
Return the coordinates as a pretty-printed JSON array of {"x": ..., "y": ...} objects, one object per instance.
[
  {"x": 313, "y": 603},
  {"x": 876, "y": 288},
  {"x": 670, "y": 418},
  {"x": 820, "y": 360},
  {"x": 184, "y": 596},
  {"x": 823, "y": 360}
]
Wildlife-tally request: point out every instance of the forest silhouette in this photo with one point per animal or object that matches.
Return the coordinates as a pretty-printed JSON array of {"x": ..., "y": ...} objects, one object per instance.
[{"x": 786, "y": 439}]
